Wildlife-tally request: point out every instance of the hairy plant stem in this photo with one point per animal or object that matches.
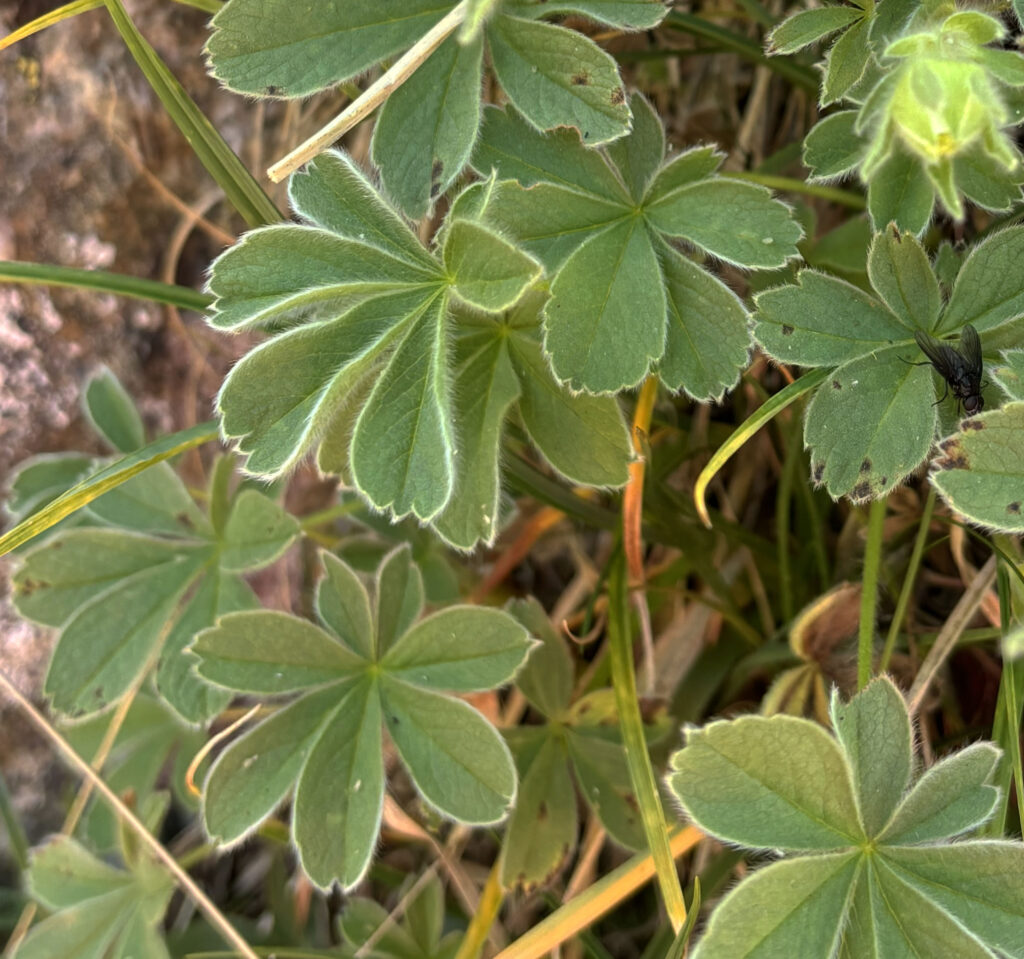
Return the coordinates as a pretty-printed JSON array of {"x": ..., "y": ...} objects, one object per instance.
[{"x": 869, "y": 590}]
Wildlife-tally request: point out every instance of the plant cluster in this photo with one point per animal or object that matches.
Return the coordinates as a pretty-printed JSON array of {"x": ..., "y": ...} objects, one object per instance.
[{"x": 467, "y": 320}]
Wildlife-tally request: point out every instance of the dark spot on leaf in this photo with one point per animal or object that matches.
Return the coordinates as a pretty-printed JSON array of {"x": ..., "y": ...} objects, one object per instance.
[
  {"x": 972, "y": 425},
  {"x": 956, "y": 461},
  {"x": 836, "y": 385},
  {"x": 630, "y": 800},
  {"x": 271, "y": 91},
  {"x": 865, "y": 467},
  {"x": 618, "y": 96},
  {"x": 542, "y": 812},
  {"x": 787, "y": 330},
  {"x": 949, "y": 445},
  {"x": 895, "y": 232},
  {"x": 98, "y": 692},
  {"x": 580, "y": 79},
  {"x": 583, "y": 709},
  {"x": 1014, "y": 507},
  {"x": 861, "y": 491},
  {"x": 883, "y": 481},
  {"x": 183, "y": 519},
  {"x": 393, "y": 720},
  {"x": 817, "y": 472}
]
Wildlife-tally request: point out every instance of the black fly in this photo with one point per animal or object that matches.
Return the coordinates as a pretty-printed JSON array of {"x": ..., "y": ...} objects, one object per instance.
[{"x": 960, "y": 368}]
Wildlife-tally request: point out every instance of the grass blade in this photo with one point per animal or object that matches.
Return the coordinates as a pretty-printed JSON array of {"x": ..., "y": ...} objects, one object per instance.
[{"x": 238, "y": 184}]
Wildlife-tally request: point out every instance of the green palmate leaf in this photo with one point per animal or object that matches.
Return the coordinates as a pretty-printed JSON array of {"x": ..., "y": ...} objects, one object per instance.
[
  {"x": 399, "y": 598},
  {"x": 344, "y": 606},
  {"x": 707, "y": 340},
  {"x": 97, "y": 910},
  {"x": 457, "y": 760},
  {"x": 1010, "y": 376},
  {"x": 790, "y": 786},
  {"x": 637, "y": 157},
  {"x": 403, "y": 446},
  {"x": 608, "y": 294},
  {"x": 985, "y": 180},
  {"x": 847, "y": 61},
  {"x": 901, "y": 274},
  {"x": 425, "y": 132},
  {"x": 332, "y": 192},
  {"x": 257, "y": 532},
  {"x": 510, "y": 145},
  {"x": 252, "y": 776},
  {"x": 949, "y": 799},
  {"x": 581, "y": 436},
  {"x": 897, "y": 193},
  {"x": 485, "y": 386},
  {"x": 900, "y": 889},
  {"x": 265, "y": 49},
  {"x": 603, "y": 775},
  {"x": 786, "y": 909},
  {"x": 328, "y": 742},
  {"x": 608, "y": 321},
  {"x": 981, "y": 469},
  {"x": 908, "y": 923},
  {"x": 876, "y": 717},
  {"x": 547, "y": 678},
  {"x": 803, "y": 28},
  {"x": 403, "y": 389},
  {"x": 112, "y": 413},
  {"x": 110, "y": 639},
  {"x": 823, "y": 321},
  {"x": 737, "y": 222},
  {"x": 978, "y": 884},
  {"x": 284, "y": 273},
  {"x": 557, "y": 77},
  {"x": 39, "y": 480},
  {"x": 541, "y": 832},
  {"x": 340, "y": 796},
  {"x": 870, "y": 425},
  {"x": 833, "y": 146},
  {"x": 989, "y": 290},
  {"x": 176, "y": 680},
  {"x": 281, "y": 653},
  {"x": 488, "y": 272},
  {"x": 123, "y": 595},
  {"x": 628, "y": 14},
  {"x": 435, "y": 655}
]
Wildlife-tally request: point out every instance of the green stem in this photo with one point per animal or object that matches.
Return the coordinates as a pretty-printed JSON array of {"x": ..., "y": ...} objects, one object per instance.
[
  {"x": 120, "y": 284},
  {"x": 620, "y": 648},
  {"x": 908, "y": 580},
  {"x": 1007, "y": 719},
  {"x": 797, "y": 74},
  {"x": 789, "y": 184},
  {"x": 869, "y": 590}
]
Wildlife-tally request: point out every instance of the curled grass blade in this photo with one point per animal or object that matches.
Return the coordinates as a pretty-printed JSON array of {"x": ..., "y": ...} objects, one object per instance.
[{"x": 748, "y": 428}]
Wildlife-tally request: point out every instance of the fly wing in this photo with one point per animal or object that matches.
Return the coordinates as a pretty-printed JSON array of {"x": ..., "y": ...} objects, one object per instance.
[
  {"x": 943, "y": 357},
  {"x": 970, "y": 348}
]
